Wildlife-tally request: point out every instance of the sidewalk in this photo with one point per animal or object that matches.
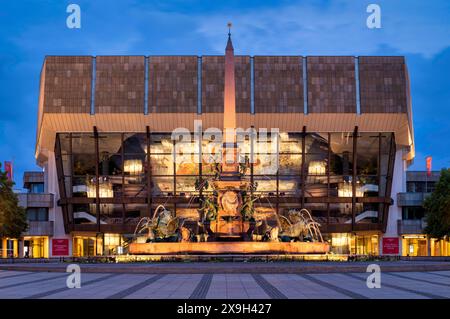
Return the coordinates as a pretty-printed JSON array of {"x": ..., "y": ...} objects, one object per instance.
[{"x": 235, "y": 267}]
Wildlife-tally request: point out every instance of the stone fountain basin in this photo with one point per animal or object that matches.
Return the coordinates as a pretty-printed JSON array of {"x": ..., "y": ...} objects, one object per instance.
[{"x": 244, "y": 247}]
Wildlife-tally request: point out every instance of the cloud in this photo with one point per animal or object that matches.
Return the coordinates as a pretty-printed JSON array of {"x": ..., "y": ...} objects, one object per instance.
[
  {"x": 414, "y": 27},
  {"x": 307, "y": 27},
  {"x": 431, "y": 100}
]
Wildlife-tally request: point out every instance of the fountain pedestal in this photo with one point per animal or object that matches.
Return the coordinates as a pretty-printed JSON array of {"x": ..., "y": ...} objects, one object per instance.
[{"x": 229, "y": 223}]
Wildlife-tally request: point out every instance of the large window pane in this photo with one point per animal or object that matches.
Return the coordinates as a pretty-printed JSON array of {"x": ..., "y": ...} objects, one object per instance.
[
  {"x": 187, "y": 165},
  {"x": 161, "y": 143},
  {"x": 340, "y": 186},
  {"x": 367, "y": 186},
  {"x": 162, "y": 185},
  {"x": 83, "y": 143},
  {"x": 265, "y": 164},
  {"x": 341, "y": 213},
  {"x": 135, "y": 187},
  {"x": 316, "y": 164},
  {"x": 316, "y": 143},
  {"x": 111, "y": 214},
  {"x": 84, "y": 214},
  {"x": 367, "y": 154},
  {"x": 366, "y": 213},
  {"x": 318, "y": 211},
  {"x": 185, "y": 185},
  {"x": 289, "y": 185},
  {"x": 110, "y": 164},
  {"x": 80, "y": 185},
  {"x": 291, "y": 143},
  {"x": 290, "y": 164},
  {"x": 64, "y": 140},
  {"x": 135, "y": 143},
  {"x": 386, "y": 139},
  {"x": 84, "y": 164},
  {"x": 316, "y": 186},
  {"x": 67, "y": 164},
  {"x": 134, "y": 212},
  {"x": 110, "y": 143},
  {"x": 134, "y": 164},
  {"x": 341, "y": 163},
  {"x": 162, "y": 164}
]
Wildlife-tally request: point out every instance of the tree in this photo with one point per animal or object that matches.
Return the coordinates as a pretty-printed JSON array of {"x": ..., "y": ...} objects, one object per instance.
[
  {"x": 13, "y": 221},
  {"x": 437, "y": 208}
]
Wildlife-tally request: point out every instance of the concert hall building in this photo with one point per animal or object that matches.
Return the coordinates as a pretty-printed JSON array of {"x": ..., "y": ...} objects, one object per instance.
[{"x": 104, "y": 142}]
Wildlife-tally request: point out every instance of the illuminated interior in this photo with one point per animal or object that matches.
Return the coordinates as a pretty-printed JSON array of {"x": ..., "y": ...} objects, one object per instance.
[{"x": 290, "y": 170}]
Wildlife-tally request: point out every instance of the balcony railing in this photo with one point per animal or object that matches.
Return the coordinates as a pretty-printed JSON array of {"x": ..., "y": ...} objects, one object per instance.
[
  {"x": 33, "y": 177},
  {"x": 39, "y": 228},
  {"x": 411, "y": 199},
  {"x": 36, "y": 200},
  {"x": 411, "y": 226}
]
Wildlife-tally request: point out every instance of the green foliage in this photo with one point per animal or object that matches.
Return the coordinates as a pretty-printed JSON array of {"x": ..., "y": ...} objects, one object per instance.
[
  {"x": 244, "y": 166},
  {"x": 248, "y": 209},
  {"x": 437, "y": 208},
  {"x": 13, "y": 221},
  {"x": 210, "y": 207},
  {"x": 217, "y": 169},
  {"x": 201, "y": 184}
]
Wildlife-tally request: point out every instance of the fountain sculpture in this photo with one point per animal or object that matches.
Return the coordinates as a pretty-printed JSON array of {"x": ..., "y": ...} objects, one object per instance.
[{"x": 229, "y": 222}]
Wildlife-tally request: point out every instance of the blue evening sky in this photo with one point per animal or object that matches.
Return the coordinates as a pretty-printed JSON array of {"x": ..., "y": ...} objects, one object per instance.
[{"x": 29, "y": 30}]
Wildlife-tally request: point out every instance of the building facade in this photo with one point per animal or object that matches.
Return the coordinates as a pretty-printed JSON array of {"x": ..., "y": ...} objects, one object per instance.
[
  {"x": 341, "y": 127},
  {"x": 419, "y": 185},
  {"x": 39, "y": 204}
]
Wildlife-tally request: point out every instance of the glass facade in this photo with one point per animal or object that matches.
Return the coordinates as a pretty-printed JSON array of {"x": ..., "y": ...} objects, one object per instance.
[
  {"x": 9, "y": 248},
  {"x": 348, "y": 243},
  {"x": 117, "y": 178},
  {"x": 35, "y": 247},
  {"x": 420, "y": 245}
]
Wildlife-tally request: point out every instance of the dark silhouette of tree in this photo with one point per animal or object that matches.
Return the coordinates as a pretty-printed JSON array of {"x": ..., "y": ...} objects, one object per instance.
[
  {"x": 437, "y": 208},
  {"x": 13, "y": 221}
]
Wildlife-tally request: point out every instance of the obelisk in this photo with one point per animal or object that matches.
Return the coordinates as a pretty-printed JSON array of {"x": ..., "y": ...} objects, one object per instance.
[
  {"x": 229, "y": 222},
  {"x": 230, "y": 165}
]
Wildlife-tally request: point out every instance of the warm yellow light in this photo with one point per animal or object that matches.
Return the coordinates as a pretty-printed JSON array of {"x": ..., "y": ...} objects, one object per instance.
[
  {"x": 339, "y": 240},
  {"x": 414, "y": 237},
  {"x": 112, "y": 239},
  {"x": 317, "y": 168},
  {"x": 346, "y": 190},
  {"x": 133, "y": 166},
  {"x": 104, "y": 190}
]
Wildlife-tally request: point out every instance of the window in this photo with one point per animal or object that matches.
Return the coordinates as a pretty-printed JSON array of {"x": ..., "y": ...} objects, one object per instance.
[
  {"x": 420, "y": 187},
  {"x": 37, "y": 188},
  {"x": 430, "y": 187},
  {"x": 410, "y": 187},
  {"x": 37, "y": 214},
  {"x": 413, "y": 212}
]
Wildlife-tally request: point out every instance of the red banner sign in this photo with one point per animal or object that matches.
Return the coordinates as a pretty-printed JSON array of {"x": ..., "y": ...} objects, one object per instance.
[
  {"x": 390, "y": 246},
  {"x": 429, "y": 159},
  {"x": 60, "y": 247},
  {"x": 9, "y": 170}
]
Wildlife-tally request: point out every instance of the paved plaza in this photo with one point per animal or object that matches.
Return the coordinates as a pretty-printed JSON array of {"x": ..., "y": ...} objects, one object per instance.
[{"x": 394, "y": 285}]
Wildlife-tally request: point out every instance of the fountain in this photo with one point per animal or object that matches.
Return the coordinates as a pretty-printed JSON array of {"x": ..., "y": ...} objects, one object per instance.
[{"x": 230, "y": 223}]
